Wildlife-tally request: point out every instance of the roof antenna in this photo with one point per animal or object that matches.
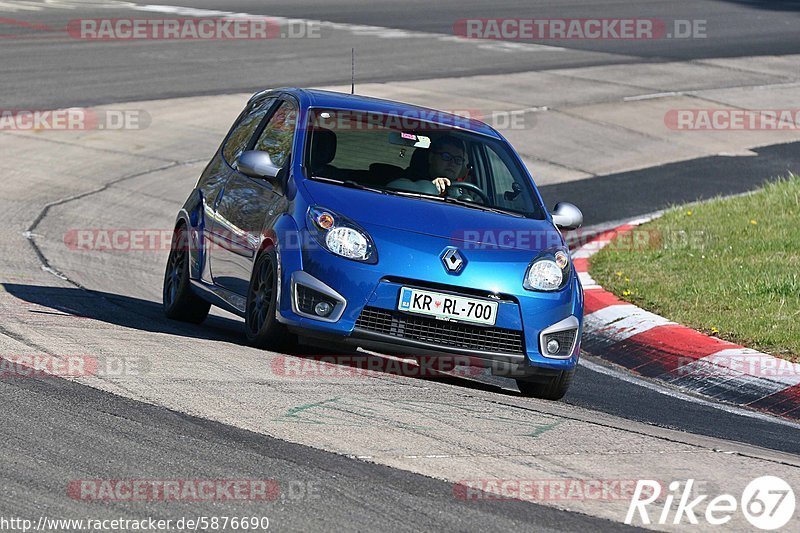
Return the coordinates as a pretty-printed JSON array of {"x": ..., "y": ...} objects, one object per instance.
[{"x": 352, "y": 71}]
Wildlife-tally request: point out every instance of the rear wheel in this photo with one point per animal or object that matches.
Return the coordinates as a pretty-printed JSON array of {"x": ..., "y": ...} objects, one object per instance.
[
  {"x": 180, "y": 303},
  {"x": 261, "y": 324},
  {"x": 554, "y": 389}
]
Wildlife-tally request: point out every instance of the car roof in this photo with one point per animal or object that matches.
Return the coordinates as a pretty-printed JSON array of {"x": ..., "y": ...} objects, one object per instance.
[{"x": 368, "y": 104}]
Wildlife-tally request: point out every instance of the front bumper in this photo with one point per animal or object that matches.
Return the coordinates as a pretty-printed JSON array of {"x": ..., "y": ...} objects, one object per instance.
[{"x": 365, "y": 315}]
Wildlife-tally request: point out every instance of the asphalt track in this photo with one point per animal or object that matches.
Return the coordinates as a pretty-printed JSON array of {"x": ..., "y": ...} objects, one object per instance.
[
  {"x": 61, "y": 430},
  {"x": 56, "y": 430},
  {"x": 45, "y": 68}
]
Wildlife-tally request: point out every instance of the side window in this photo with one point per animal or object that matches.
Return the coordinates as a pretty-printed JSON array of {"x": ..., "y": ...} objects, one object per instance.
[
  {"x": 276, "y": 138},
  {"x": 243, "y": 131},
  {"x": 476, "y": 174},
  {"x": 503, "y": 179}
]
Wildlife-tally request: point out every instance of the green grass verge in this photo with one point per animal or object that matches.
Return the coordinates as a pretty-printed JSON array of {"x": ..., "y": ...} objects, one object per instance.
[{"x": 728, "y": 267}]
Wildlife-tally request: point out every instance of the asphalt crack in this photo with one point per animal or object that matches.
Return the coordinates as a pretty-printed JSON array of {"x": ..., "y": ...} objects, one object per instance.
[{"x": 30, "y": 236}]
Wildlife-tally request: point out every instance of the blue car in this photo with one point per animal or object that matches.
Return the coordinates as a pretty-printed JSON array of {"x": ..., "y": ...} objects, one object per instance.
[{"x": 344, "y": 221}]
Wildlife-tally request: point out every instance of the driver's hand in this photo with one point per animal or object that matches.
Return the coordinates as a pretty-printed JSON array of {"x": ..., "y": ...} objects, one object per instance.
[{"x": 441, "y": 184}]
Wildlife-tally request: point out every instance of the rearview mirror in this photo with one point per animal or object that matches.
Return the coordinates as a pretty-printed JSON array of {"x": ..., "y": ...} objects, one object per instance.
[
  {"x": 567, "y": 216},
  {"x": 257, "y": 165}
]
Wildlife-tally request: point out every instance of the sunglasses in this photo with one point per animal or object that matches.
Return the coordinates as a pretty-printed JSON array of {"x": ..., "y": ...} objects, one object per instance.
[{"x": 447, "y": 156}]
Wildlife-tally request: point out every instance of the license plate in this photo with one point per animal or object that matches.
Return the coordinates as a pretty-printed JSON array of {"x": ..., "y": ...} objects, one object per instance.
[{"x": 447, "y": 306}]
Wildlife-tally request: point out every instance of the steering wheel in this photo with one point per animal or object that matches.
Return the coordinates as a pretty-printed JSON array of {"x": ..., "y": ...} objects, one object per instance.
[{"x": 455, "y": 190}]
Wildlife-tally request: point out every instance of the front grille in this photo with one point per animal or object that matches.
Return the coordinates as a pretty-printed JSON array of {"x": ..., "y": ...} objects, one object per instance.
[
  {"x": 307, "y": 298},
  {"x": 565, "y": 340},
  {"x": 440, "y": 332}
]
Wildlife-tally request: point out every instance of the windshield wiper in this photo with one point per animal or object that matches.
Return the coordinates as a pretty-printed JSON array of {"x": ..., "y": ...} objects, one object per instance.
[
  {"x": 348, "y": 183},
  {"x": 474, "y": 205},
  {"x": 412, "y": 194},
  {"x": 451, "y": 200}
]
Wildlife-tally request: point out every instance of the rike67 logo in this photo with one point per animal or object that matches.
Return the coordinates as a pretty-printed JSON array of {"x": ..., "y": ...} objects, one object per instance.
[{"x": 768, "y": 503}]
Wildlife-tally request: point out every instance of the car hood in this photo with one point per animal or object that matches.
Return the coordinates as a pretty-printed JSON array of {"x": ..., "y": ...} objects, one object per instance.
[{"x": 429, "y": 217}]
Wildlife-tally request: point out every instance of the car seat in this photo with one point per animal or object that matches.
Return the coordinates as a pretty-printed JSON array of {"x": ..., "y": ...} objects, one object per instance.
[{"x": 323, "y": 151}]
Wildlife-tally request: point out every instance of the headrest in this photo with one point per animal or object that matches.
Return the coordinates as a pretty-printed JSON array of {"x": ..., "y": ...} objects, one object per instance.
[
  {"x": 323, "y": 147},
  {"x": 419, "y": 163}
]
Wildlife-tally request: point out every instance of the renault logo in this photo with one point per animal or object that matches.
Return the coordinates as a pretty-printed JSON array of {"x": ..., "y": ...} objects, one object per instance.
[{"x": 453, "y": 260}]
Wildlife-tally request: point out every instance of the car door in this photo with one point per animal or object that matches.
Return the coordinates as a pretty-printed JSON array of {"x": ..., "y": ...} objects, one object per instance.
[
  {"x": 222, "y": 168},
  {"x": 247, "y": 202}
]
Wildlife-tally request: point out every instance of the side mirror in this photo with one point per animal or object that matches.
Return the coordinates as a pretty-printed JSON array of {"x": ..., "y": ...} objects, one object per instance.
[
  {"x": 257, "y": 165},
  {"x": 567, "y": 216}
]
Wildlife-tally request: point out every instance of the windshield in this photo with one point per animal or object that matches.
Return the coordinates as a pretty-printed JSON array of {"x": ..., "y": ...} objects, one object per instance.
[{"x": 402, "y": 155}]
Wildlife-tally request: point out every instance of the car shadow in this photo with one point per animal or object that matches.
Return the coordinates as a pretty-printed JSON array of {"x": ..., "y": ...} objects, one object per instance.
[
  {"x": 145, "y": 315},
  {"x": 638, "y": 192},
  {"x": 770, "y": 5},
  {"x": 122, "y": 311}
]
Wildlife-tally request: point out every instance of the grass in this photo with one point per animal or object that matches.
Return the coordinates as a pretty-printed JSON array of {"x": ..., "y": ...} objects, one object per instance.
[{"x": 727, "y": 267}]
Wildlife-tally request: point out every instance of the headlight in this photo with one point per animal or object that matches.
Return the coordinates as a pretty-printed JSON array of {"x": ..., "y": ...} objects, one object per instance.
[
  {"x": 347, "y": 242},
  {"x": 340, "y": 235},
  {"x": 548, "y": 272}
]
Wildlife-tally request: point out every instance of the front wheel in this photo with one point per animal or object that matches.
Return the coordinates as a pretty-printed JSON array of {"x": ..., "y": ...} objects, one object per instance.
[
  {"x": 180, "y": 303},
  {"x": 554, "y": 389},
  {"x": 261, "y": 323}
]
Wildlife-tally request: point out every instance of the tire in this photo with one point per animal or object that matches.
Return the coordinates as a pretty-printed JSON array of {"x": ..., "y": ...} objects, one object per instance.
[
  {"x": 555, "y": 389},
  {"x": 261, "y": 323},
  {"x": 180, "y": 303}
]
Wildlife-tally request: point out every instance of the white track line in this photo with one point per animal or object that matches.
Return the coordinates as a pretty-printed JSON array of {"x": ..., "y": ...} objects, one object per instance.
[
  {"x": 628, "y": 378},
  {"x": 380, "y": 32}
]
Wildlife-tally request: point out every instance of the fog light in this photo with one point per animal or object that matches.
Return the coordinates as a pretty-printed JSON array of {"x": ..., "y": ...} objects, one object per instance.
[
  {"x": 323, "y": 308},
  {"x": 553, "y": 346}
]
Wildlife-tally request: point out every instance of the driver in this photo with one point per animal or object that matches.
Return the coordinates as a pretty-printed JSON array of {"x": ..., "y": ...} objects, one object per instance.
[{"x": 447, "y": 159}]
